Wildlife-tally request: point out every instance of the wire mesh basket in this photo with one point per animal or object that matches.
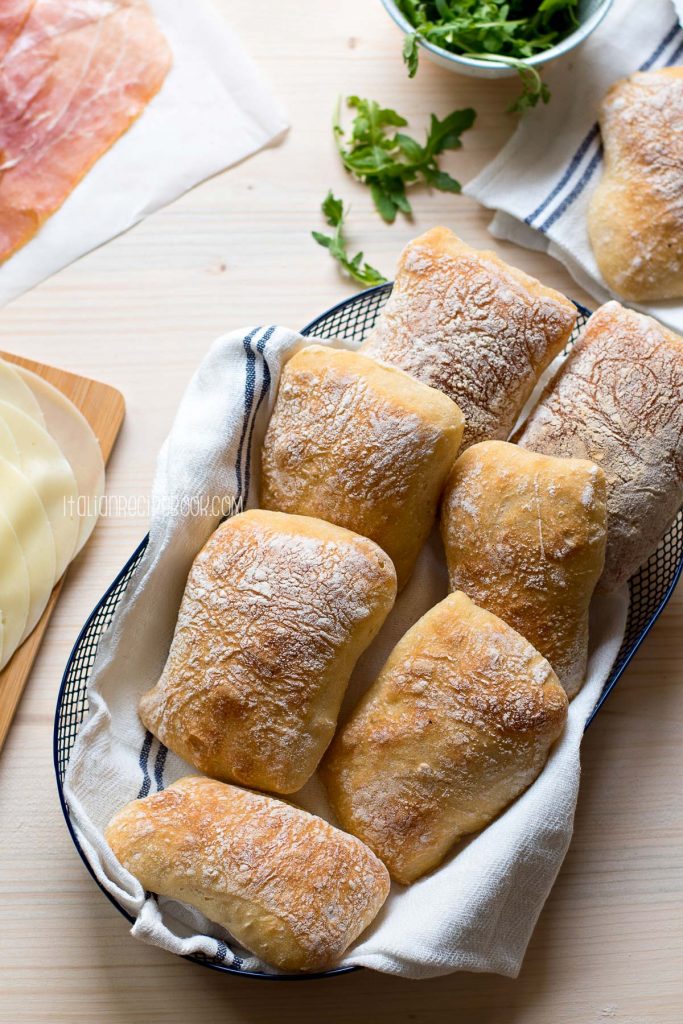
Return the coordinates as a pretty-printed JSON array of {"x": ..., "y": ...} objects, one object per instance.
[{"x": 650, "y": 589}]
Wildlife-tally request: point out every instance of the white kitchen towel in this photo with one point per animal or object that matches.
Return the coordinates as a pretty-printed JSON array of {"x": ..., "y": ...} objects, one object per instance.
[
  {"x": 212, "y": 111},
  {"x": 476, "y": 912},
  {"x": 541, "y": 182}
]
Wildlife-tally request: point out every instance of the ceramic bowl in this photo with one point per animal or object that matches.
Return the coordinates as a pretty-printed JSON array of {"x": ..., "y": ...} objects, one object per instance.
[{"x": 590, "y": 13}]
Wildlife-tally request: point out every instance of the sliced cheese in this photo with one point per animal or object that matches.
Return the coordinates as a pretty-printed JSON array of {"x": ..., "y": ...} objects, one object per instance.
[
  {"x": 20, "y": 504},
  {"x": 8, "y": 446},
  {"x": 14, "y": 591},
  {"x": 75, "y": 437},
  {"x": 13, "y": 389},
  {"x": 42, "y": 463}
]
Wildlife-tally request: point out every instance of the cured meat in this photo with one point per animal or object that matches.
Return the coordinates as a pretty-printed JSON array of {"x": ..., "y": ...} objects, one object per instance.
[
  {"x": 75, "y": 78},
  {"x": 13, "y": 15}
]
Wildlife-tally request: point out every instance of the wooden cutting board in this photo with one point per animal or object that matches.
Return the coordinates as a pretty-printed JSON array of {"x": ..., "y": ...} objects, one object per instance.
[{"x": 104, "y": 408}]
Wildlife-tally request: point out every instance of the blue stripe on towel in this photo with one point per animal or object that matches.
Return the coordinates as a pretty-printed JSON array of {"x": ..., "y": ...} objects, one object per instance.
[
  {"x": 671, "y": 34},
  {"x": 265, "y": 388},
  {"x": 144, "y": 755},
  {"x": 573, "y": 164},
  {"x": 589, "y": 139},
  {"x": 677, "y": 53},
  {"x": 159, "y": 765},
  {"x": 250, "y": 382},
  {"x": 575, "y": 192}
]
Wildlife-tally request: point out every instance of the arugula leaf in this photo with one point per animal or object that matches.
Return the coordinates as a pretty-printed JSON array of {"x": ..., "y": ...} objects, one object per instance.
[
  {"x": 363, "y": 273},
  {"x": 567, "y": 7},
  {"x": 446, "y": 134},
  {"x": 443, "y": 181},
  {"x": 410, "y": 53},
  {"x": 533, "y": 89},
  {"x": 504, "y": 30},
  {"x": 533, "y": 86},
  {"x": 389, "y": 162},
  {"x": 333, "y": 210}
]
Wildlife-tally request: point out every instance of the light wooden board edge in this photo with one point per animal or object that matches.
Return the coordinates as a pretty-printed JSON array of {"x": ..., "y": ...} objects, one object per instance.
[{"x": 104, "y": 408}]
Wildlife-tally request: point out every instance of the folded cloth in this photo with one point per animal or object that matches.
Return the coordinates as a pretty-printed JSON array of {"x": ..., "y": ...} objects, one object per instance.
[
  {"x": 542, "y": 180},
  {"x": 213, "y": 110},
  {"x": 478, "y": 910}
]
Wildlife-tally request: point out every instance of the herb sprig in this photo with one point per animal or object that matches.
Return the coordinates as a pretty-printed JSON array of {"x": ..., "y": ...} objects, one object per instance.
[
  {"x": 390, "y": 161},
  {"x": 509, "y": 31},
  {"x": 355, "y": 267}
]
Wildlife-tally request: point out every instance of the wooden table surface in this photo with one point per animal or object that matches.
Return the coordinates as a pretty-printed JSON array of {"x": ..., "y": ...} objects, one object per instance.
[{"x": 139, "y": 313}]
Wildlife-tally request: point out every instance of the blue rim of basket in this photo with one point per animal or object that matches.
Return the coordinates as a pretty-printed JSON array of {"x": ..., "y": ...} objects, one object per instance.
[
  {"x": 205, "y": 961},
  {"x": 375, "y": 290}
]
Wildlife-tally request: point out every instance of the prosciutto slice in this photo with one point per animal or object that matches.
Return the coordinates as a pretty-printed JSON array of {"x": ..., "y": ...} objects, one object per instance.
[
  {"x": 76, "y": 76},
  {"x": 13, "y": 15}
]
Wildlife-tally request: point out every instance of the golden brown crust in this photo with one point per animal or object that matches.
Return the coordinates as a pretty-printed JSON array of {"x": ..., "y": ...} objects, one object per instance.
[
  {"x": 618, "y": 400},
  {"x": 276, "y": 611},
  {"x": 286, "y": 884},
  {"x": 361, "y": 445},
  {"x": 465, "y": 322},
  {"x": 635, "y": 218},
  {"x": 525, "y": 538},
  {"x": 457, "y": 725}
]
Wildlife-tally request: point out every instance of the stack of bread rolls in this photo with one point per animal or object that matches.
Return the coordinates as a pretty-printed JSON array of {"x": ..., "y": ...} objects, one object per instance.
[{"x": 362, "y": 450}]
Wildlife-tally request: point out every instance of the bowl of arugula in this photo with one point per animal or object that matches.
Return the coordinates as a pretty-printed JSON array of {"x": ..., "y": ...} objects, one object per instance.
[{"x": 495, "y": 38}]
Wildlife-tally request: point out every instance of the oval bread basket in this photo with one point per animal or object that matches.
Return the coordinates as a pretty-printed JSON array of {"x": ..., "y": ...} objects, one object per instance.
[{"x": 650, "y": 589}]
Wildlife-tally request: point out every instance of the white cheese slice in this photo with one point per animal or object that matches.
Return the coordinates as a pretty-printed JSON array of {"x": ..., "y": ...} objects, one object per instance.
[
  {"x": 75, "y": 437},
  {"x": 14, "y": 591},
  {"x": 20, "y": 504},
  {"x": 8, "y": 446},
  {"x": 15, "y": 391},
  {"x": 42, "y": 463}
]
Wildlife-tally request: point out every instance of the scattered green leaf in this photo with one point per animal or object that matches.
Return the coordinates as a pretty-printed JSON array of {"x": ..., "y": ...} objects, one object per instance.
[
  {"x": 363, "y": 273},
  {"x": 533, "y": 86},
  {"x": 388, "y": 162},
  {"x": 410, "y": 53}
]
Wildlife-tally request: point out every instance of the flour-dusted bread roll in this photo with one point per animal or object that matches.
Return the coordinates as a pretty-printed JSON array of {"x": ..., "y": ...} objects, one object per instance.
[
  {"x": 465, "y": 322},
  {"x": 276, "y": 611},
  {"x": 618, "y": 400},
  {"x": 287, "y": 885},
  {"x": 361, "y": 445},
  {"x": 525, "y": 538},
  {"x": 635, "y": 218},
  {"x": 457, "y": 725}
]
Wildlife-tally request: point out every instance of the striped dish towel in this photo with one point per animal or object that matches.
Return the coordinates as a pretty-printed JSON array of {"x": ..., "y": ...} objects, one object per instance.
[
  {"x": 478, "y": 910},
  {"x": 541, "y": 182}
]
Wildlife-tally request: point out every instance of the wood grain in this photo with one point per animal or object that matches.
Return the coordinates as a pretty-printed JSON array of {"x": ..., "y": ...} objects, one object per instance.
[
  {"x": 104, "y": 408},
  {"x": 140, "y": 313}
]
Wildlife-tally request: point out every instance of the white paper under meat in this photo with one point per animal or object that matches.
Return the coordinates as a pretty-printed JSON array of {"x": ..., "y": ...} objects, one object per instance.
[{"x": 212, "y": 111}]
